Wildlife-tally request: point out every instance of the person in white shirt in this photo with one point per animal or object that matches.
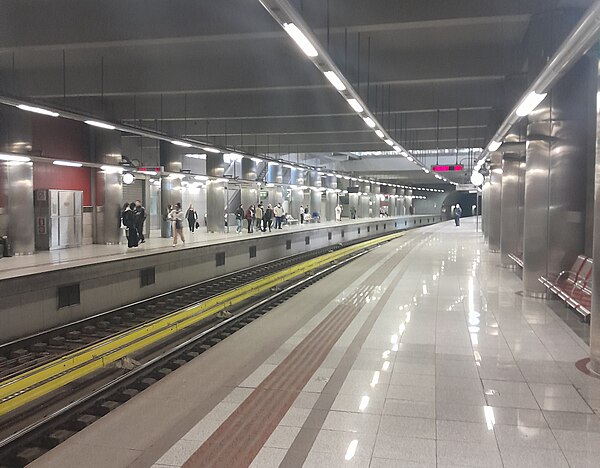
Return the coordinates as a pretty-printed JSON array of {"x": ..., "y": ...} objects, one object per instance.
[
  {"x": 176, "y": 216},
  {"x": 301, "y": 218},
  {"x": 278, "y": 211},
  {"x": 338, "y": 213}
]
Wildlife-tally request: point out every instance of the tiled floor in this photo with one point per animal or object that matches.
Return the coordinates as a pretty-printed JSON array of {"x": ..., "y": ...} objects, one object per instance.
[{"x": 444, "y": 364}]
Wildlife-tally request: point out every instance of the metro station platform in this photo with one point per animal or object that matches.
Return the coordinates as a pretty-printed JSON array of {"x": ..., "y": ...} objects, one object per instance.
[{"x": 420, "y": 353}]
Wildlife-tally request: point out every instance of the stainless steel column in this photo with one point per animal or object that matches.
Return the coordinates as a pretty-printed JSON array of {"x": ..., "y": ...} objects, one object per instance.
[
  {"x": 275, "y": 173},
  {"x": 249, "y": 192},
  {"x": 400, "y": 202},
  {"x": 554, "y": 222},
  {"x": 297, "y": 193},
  {"x": 495, "y": 199},
  {"x": 407, "y": 200},
  {"x": 249, "y": 171},
  {"x": 215, "y": 206},
  {"x": 171, "y": 158},
  {"x": 315, "y": 201},
  {"x": 364, "y": 202},
  {"x": 375, "y": 204},
  {"x": 331, "y": 197},
  {"x": 106, "y": 147},
  {"x": 509, "y": 212},
  {"x": 15, "y": 137}
]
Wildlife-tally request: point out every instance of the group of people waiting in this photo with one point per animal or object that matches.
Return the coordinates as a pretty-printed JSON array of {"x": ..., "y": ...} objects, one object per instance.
[
  {"x": 133, "y": 216},
  {"x": 175, "y": 219},
  {"x": 260, "y": 217}
]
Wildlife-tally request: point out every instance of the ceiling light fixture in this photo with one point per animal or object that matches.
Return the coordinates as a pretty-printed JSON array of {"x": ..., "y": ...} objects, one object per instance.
[
  {"x": 335, "y": 80},
  {"x": 369, "y": 121},
  {"x": 300, "y": 39},
  {"x": 13, "y": 158},
  {"x": 532, "y": 100},
  {"x": 112, "y": 169},
  {"x": 397, "y": 149},
  {"x": 211, "y": 150},
  {"x": 355, "y": 105},
  {"x": 494, "y": 145},
  {"x": 95, "y": 123},
  {"x": 67, "y": 163},
  {"x": 379, "y": 133},
  {"x": 181, "y": 143},
  {"x": 37, "y": 110},
  {"x": 389, "y": 142},
  {"x": 196, "y": 155}
]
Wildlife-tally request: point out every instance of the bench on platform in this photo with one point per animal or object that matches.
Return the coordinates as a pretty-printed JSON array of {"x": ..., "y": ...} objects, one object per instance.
[
  {"x": 574, "y": 286},
  {"x": 517, "y": 258}
]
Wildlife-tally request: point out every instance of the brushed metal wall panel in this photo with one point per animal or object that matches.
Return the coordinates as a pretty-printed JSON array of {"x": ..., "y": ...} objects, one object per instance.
[
  {"x": 315, "y": 201},
  {"x": 215, "y": 206},
  {"x": 509, "y": 213},
  {"x": 20, "y": 207}
]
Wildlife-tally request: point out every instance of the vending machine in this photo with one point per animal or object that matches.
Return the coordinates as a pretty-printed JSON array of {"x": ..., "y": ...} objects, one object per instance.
[{"x": 58, "y": 219}]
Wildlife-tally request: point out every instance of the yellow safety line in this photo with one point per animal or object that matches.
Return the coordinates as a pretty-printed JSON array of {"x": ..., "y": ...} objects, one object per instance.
[{"x": 24, "y": 388}]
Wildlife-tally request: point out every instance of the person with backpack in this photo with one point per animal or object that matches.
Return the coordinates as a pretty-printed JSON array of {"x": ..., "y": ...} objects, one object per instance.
[
  {"x": 140, "y": 218},
  {"x": 176, "y": 217},
  {"x": 239, "y": 216},
  {"x": 268, "y": 218},
  {"x": 258, "y": 215}
]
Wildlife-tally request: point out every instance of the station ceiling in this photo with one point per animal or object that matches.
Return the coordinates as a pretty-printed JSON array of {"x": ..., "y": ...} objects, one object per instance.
[{"x": 226, "y": 71}]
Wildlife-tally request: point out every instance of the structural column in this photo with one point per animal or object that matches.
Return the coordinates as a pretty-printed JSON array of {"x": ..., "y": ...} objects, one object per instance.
[
  {"x": 171, "y": 158},
  {"x": 17, "y": 216},
  {"x": 106, "y": 146},
  {"x": 314, "y": 180},
  {"x": 216, "y": 197},
  {"x": 331, "y": 197},
  {"x": 364, "y": 201},
  {"x": 408, "y": 201},
  {"x": 495, "y": 199},
  {"x": 554, "y": 220},
  {"x": 510, "y": 223},
  {"x": 249, "y": 191},
  {"x": 297, "y": 192}
]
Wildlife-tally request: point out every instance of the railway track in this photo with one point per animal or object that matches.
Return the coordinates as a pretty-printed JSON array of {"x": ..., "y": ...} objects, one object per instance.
[{"x": 108, "y": 387}]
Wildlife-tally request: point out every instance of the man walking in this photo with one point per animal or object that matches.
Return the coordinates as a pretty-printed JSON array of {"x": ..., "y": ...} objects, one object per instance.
[{"x": 457, "y": 214}]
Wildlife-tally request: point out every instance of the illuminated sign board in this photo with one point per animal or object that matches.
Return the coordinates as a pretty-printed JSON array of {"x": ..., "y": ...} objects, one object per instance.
[{"x": 454, "y": 167}]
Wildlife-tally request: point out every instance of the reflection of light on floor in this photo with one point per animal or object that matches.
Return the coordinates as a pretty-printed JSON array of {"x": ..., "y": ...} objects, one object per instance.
[
  {"x": 394, "y": 338},
  {"x": 490, "y": 419},
  {"x": 474, "y": 339},
  {"x": 364, "y": 402},
  {"x": 351, "y": 450},
  {"x": 375, "y": 379},
  {"x": 386, "y": 354}
]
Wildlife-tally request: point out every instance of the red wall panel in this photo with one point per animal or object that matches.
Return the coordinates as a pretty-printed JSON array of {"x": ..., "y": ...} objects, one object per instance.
[{"x": 57, "y": 138}]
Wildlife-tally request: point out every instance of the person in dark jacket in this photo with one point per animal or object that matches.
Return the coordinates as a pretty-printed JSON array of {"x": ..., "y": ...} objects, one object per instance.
[
  {"x": 192, "y": 218},
  {"x": 239, "y": 217},
  {"x": 140, "y": 217},
  {"x": 250, "y": 218},
  {"x": 128, "y": 215},
  {"x": 457, "y": 214},
  {"x": 268, "y": 218}
]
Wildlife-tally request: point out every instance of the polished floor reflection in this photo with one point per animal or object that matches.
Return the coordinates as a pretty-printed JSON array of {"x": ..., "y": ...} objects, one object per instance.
[{"x": 420, "y": 354}]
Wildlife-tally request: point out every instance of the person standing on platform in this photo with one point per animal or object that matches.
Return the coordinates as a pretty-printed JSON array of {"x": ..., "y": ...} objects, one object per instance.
[
  {"x": 258, "y": 215},
  {"x": 140, "y": 218},
  {"x": 176, "y": 217},
  {"x": 239, "y": 217},
  {"x": 457, "y": 214},
  {"x": 192, "y": 218},
  {"x": 352, "y": 212},
  {"x": 301, "y": 218},
  {"x": 250, "y": 218},
  {"x": 268, "y": 218},
  {"x": 278, "y": 211},
  {"x": 128, "y": 215},
  {"x": 338, "y": 213}
]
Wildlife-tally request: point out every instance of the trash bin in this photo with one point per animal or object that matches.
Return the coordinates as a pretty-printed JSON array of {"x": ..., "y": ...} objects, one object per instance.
[{"x": 6, "y": 247}]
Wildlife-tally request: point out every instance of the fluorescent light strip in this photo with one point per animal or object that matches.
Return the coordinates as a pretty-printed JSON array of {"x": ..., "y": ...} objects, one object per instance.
[
  {"x": 67, "y": 163},
  {"x": 530, "y": 103},
  {"x": 13, "y": 158},
  {"x": 379, "y": 133},
  {"x": 95, "y": 123},
  {"x": 494, "y": 145},
  {"x": 112, "y": 169},
  {"x": 181, "y": 143},
  {"x": 196, "y": 155},
  {"x": 369, "y": 121},
  {"x": 211, "y": 150},
  {"x": 37, "y": 110},
  {"x": 389, "y": 142},
  {"x": 355, "y": 105},
  {"x": 335, "y": 80},
  {"x": 300, "y": 39},
  {"x": 397, "y": 149}
]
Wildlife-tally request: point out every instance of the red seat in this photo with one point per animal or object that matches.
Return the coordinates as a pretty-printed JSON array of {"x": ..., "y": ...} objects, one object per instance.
[{"x": 574, "y": 286}]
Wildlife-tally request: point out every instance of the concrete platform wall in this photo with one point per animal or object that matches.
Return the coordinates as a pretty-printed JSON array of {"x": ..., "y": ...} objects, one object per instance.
[{"x": 30, "y": 304}]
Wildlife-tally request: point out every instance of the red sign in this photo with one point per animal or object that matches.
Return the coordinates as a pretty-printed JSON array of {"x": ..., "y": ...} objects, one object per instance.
[
  {"x": 455, "y": 167},
  {"x": 150, "y": 170}
]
